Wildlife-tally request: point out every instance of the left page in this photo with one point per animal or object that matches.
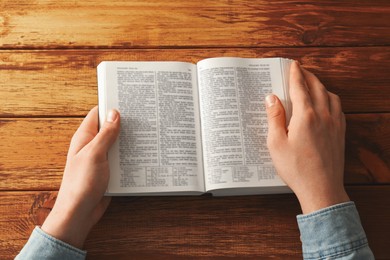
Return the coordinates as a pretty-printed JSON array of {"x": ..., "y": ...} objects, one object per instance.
[{"x": 158, "y": 150}]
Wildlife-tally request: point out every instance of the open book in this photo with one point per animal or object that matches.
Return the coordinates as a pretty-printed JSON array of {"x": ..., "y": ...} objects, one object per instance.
[{"x": 188, "y": 129}]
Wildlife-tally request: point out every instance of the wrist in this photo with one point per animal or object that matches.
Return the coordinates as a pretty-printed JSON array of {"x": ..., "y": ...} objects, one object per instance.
[
  {"x": 317, "y": 200},
  {"x": 68, "y": 226}
]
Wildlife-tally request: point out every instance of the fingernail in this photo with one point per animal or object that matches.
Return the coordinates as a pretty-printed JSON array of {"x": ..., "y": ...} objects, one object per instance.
[
  {"x": 270, "y": 100},
  {"x": 112, "y": 115}
]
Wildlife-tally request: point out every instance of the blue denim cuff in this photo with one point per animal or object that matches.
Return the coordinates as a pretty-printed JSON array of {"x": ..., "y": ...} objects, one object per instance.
[
  {"x": 43, "y": 246},
  {"x": 331, "y": 232}
]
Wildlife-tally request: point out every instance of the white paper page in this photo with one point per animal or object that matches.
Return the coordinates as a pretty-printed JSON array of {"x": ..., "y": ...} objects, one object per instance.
[
  {"x": 234, "y": 120},
  {"x": 159, "y": 147}
]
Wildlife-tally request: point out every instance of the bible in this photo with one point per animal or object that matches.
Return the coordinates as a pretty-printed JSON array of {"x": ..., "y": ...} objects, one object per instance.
[{"x": 188, "y": 129}]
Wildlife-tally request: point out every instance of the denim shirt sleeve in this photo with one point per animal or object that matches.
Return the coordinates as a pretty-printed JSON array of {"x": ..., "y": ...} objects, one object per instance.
[
  {"x": 334, "y": 233},
  {"x": 43, "y": 246}
]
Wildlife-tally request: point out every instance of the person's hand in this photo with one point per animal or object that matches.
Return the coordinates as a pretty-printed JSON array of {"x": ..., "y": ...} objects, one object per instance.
[
  {"x": 80, "y": 202},
  {"x": 309, "y": 154}
]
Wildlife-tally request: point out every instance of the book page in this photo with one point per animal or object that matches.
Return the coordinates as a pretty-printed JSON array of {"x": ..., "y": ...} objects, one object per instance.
[
  {"x": 159, "y": 147},
  {"x": 234, "y": 120}
]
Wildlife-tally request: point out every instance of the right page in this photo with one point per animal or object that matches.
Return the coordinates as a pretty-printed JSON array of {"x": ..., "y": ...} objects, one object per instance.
[{"x": 234, "y": 122}]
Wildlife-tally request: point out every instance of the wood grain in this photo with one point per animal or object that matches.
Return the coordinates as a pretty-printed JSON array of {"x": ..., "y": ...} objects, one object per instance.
[
  {"x": 63, "y": 83},
  {"x": 33, "y": 151},
  {"x": 141, "y": 23},
  {"x": 184, "y": 227},
  {"x": 49, "y": 51},
  {"x": 368, "y": 149}
]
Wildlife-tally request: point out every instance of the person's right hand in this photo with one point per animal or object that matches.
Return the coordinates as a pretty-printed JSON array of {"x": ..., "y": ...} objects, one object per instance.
[{"x": 309, "y": 154}]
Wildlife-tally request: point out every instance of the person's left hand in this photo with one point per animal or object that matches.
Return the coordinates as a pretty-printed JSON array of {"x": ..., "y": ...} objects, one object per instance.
[{"x": 80, "y": 202}]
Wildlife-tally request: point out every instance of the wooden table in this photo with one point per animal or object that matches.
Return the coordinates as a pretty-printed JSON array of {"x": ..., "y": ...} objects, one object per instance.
[{"x": 48, "y": 56}]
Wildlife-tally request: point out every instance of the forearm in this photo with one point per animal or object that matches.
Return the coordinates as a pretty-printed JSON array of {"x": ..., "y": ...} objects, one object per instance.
[{"x": 334, "y": 233}]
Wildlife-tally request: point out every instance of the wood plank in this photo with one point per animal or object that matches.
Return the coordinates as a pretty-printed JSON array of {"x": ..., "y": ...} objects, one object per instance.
[
  {"x": 367, "y": 149},
  {"x": 183, "y": 227},
  {"x": 63, "y": 83},
  {"x": 33, "y": 151},
  {"x": 129, "y": 24}
]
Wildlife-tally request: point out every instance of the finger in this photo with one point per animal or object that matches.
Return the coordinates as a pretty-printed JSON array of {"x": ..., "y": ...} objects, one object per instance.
[
  {"x": 85, "y": 133},
  {"x": 107, "y": 134},
  {"x": 335, "y": 104},
  {"x": 343, "y": 122},
  {"x": 277, "y": 130},
  {"x": 299, "y": 93},
  {"x": 336, "y": 110},
  {"x": 317, "y": 91}
]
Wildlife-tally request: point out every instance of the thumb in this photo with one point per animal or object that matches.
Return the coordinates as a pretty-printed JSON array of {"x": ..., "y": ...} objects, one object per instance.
[
  {"x": 107, "y": 133},
  {"x": 276, "y": 118}
]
